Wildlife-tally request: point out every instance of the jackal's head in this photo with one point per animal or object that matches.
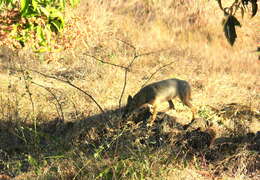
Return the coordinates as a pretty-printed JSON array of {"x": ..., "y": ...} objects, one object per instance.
[{"x": 130, "y": 106}]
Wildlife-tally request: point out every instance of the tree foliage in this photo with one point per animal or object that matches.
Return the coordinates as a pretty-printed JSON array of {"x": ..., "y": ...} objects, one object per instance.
[{"x": 39, "y": 20}]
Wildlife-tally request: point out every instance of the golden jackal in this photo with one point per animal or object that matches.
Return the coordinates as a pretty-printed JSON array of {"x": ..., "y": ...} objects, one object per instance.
[{"x": 158, "y": 92}]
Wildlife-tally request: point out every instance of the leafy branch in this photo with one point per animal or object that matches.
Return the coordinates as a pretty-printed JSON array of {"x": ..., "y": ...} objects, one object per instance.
[{"x": 230, "y": 21}]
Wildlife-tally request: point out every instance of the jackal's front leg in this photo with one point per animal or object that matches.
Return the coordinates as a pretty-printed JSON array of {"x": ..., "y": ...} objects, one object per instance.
[
  {"x": 194, "y": 111},
  {"x": 154, "y": 113},
  {"x": 171, "y": 106}
]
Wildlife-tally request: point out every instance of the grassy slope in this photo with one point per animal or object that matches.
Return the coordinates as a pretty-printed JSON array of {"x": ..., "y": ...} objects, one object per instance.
[{"x": 191, "y": 39}]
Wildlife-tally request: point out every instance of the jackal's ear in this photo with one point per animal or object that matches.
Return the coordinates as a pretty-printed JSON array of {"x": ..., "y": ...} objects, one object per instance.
[{"x": 129, "y": 99}]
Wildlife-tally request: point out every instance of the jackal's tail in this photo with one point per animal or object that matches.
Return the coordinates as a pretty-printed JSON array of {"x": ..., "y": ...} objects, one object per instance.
[{"x": 184, "y": 91}]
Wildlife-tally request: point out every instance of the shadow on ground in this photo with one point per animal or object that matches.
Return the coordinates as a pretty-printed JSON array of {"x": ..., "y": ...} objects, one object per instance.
[{"x": 109, "y": 133}]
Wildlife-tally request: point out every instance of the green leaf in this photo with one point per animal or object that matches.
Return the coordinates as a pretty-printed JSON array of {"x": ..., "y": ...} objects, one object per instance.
[
  {"x": 39, "y": 33},
  {"x": 32, "y": 161},
  {"x": 42, "y": 49},
  {"x": 34, "y": 4},
  {"x": 57, "y": 25},
  {"x": 106, "y": 173},
  {"x": 48, "y": 34},
  {"x": 54, "y": 13},
  {"x": 45, "y": 11},
  {"x": 56, "y": 19},
  {"x": 24, "y": 7},
  {"x": 1, "y": 3},
  {"x": 74, "y": 2},
  {"x": 62, "y": 3},
  {"x": 6, "y": 2}
]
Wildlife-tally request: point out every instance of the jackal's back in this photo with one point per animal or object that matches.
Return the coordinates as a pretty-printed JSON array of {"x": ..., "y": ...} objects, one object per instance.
[{"x": 161, "y": 91}]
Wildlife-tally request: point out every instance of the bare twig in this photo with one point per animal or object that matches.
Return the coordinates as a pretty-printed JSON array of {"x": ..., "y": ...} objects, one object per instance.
[
  {"x": 105, "y": 62},
  {"x": 125, "y": 68},
  {"x": 71, "y": 84},
  {"x": 123, "y": 90},
  {"x": 155, "y": 73},
  {"x": 125, "y": 79},
  {"x": 127, "y": 43},
  {"x": 84, "y": 92},
  {"x": 55, "y": 97},
  {"x": 220, "y": 5},
  {"x": 129, "y": 67},
  {"x": 152, "y": 52},
  {"x": 25, "y": 78},
  {"x": 27, "y": 81}
]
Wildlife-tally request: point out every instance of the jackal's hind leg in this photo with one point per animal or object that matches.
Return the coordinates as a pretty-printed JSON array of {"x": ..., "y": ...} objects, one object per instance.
[
  {"x": 171, "y": 105},
  {"x": 193, "y": 109},
  {"x": 194, "y": 112}
]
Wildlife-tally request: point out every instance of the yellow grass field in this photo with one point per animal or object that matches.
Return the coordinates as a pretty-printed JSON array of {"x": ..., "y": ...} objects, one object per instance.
[{"x": 52, "y": 130}]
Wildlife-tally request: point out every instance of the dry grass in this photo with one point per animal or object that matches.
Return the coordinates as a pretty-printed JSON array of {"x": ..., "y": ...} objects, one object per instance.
[{"x": 185, "y": 34}]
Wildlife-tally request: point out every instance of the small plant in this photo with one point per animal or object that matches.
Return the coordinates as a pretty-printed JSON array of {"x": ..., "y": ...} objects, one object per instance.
[
  {"x": 34, "y": 163},
  {"x": 207, "y": 113},
  {"x": 132, "y": 168}
]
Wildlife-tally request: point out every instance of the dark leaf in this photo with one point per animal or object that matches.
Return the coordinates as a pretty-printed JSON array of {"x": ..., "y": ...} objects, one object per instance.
[
  {"x": 245, "y": 2},
  {"x": 229, "y": 29},
  {"x": 235, "y": 21},
  {"x": 242, "y": 12},
  {"x": 254, "y": 7},
  {"x": 21, "y": 43}
]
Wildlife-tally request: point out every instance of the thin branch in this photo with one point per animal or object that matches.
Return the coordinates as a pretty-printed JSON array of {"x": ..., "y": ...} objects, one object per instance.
[
  {"x": 145, "y": 54},
  {"x": 152, "y": 52},
  {"x": 91, "y": 97},
  {"x": 55, "y": 97},
  {"x": 25, "y": 79},
  {"x": 123, "y": 90},
  {"x": 155, "y": 73},
  {"x": 220, "y": 5},
  {"x": 129, "y": 67},
  {"x": 125, "y": 80},
  {"x": 48, "y": 76},
  {"x": 126, "y": 68},
  {"x": 127, "y": 43},
  {"x": 105, "y": 62},
  {"x": 69, "y": 83}
]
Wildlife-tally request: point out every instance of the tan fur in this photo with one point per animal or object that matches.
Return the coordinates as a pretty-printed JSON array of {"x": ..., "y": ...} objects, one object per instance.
[{"x": 161, "y": 91}]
